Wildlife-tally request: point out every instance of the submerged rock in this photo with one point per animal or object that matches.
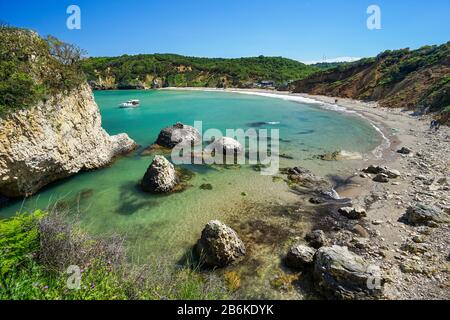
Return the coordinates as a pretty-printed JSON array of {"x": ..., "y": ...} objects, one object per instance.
[
  {"x": 304, "y": 178},
  {"x": 219, "y": 245},
  {"x": 353, "y": 213},
  {"x": 300, "y": 256},
  {"x": 340, "y": 155},
  {"x": 160, "y": 177},
  {"x": 206, "y": 186},
  {"x": 341, "y": 274},
  {"x": 178, "y": 134},
  {"x": 420, "y": 214}
]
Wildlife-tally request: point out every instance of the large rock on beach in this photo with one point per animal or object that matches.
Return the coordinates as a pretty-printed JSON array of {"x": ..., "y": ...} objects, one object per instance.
[
  {"x": 341, "y": 274},
  {"x": 219, "y": 245},
  {"x": 379, "y": 170},
  {"x": 178, "y": 134},
  {"x": 160, "y": 177},
  {"x": 420, "y": 214}
]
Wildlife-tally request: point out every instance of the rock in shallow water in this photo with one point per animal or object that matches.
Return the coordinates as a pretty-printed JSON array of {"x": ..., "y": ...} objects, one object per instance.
[
  {"x": 300, "y": 256},
  {"x": 341, "y": 274},
  {"x": 160, "y": 177},
  {"x": 177, "y": 134},
  {"x": 219, "y": 245}
]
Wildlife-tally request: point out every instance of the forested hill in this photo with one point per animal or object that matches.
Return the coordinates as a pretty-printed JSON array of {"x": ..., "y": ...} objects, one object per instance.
[
  {"x": 410, "y": 79},
  {"x": 163, "y": 70}
]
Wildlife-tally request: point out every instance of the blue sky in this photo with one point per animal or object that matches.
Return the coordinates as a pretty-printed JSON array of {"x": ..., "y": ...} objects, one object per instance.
[{"x": 305, "y": 30}]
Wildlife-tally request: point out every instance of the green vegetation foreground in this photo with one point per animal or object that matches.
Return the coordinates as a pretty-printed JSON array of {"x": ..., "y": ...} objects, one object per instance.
[{"x": 36, "y": 251}]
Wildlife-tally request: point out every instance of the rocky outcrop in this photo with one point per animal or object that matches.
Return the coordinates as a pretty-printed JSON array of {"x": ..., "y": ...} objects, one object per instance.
[
  {"x": 300, "y": 256},
  {"x": 160, "y": 177},
  {"x": 341, "y": 274},
  {"x": 178, "y": 134},
  {"x": 219, "y": 245},
  {"x": 54, "y": 140}
]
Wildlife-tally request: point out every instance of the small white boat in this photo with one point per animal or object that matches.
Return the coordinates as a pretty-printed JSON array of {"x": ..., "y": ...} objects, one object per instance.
[{"x": 130, "y": 104}]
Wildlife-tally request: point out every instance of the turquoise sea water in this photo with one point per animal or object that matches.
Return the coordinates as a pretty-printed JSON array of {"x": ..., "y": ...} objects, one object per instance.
[{"x": 109, "y": 200}]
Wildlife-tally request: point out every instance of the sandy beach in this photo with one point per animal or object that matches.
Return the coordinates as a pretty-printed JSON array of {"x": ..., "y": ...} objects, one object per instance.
[{"x": 414, "y": 260}]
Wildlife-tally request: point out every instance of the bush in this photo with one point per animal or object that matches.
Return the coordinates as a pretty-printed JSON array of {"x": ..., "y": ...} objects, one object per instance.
[
  {"x": 19, "y": 240},
  {"x": 33, "y": 69}
]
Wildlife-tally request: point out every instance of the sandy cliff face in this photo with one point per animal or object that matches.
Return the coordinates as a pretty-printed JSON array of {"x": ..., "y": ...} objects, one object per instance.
[{"x": 54, "y": 140}]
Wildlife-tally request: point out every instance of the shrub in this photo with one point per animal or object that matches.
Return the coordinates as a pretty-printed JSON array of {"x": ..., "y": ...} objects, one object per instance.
[
  {"x": 32, "y": 68},
  {"x": 19, "y": 240}
]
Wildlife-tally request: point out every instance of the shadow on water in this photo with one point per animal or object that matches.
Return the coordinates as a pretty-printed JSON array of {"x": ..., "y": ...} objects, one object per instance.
[{"x": 133, "y": 199}]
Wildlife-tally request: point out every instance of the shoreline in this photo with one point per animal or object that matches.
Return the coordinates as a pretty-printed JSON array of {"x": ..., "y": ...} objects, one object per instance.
[
  {"x": 415, "y": 260},
  {"x": 369, "y": 111}
]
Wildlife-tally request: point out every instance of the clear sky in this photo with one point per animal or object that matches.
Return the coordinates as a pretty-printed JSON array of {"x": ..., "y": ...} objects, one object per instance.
[{"x": 306, "y": 30}]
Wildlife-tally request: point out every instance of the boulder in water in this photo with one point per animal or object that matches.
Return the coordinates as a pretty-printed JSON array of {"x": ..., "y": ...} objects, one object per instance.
[
  {"x": 300, "y": 256},
  {"x": 160, "y": 177},
  {"x": 178, "y": 134},
  {"x": 219, "y": 245}
]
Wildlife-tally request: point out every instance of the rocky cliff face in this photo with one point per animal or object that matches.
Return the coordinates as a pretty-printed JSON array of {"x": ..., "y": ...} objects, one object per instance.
[{"x": 54, "y": 140}]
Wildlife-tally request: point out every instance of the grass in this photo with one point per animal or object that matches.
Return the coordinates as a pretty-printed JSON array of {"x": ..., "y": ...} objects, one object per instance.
[{"x": 37, "y": 249}]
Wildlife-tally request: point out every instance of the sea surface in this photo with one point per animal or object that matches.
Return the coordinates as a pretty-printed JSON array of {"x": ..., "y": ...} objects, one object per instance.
[{"x": 109, "y": 201}]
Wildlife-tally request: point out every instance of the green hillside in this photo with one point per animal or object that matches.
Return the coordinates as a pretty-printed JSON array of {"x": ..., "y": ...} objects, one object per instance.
[
  {"x": 410, "y": 79},
  {"x": 179, "y": 71}
]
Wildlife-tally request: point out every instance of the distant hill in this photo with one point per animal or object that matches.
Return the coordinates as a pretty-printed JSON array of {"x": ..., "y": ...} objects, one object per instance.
[
  {"x": 410, "y": 79},
  {"x": 328, "y": 65},
  {"x": 164, "y": 70}
]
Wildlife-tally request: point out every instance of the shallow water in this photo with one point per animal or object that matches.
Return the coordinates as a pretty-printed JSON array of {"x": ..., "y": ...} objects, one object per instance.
[{"x": 109, "y": 200}]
